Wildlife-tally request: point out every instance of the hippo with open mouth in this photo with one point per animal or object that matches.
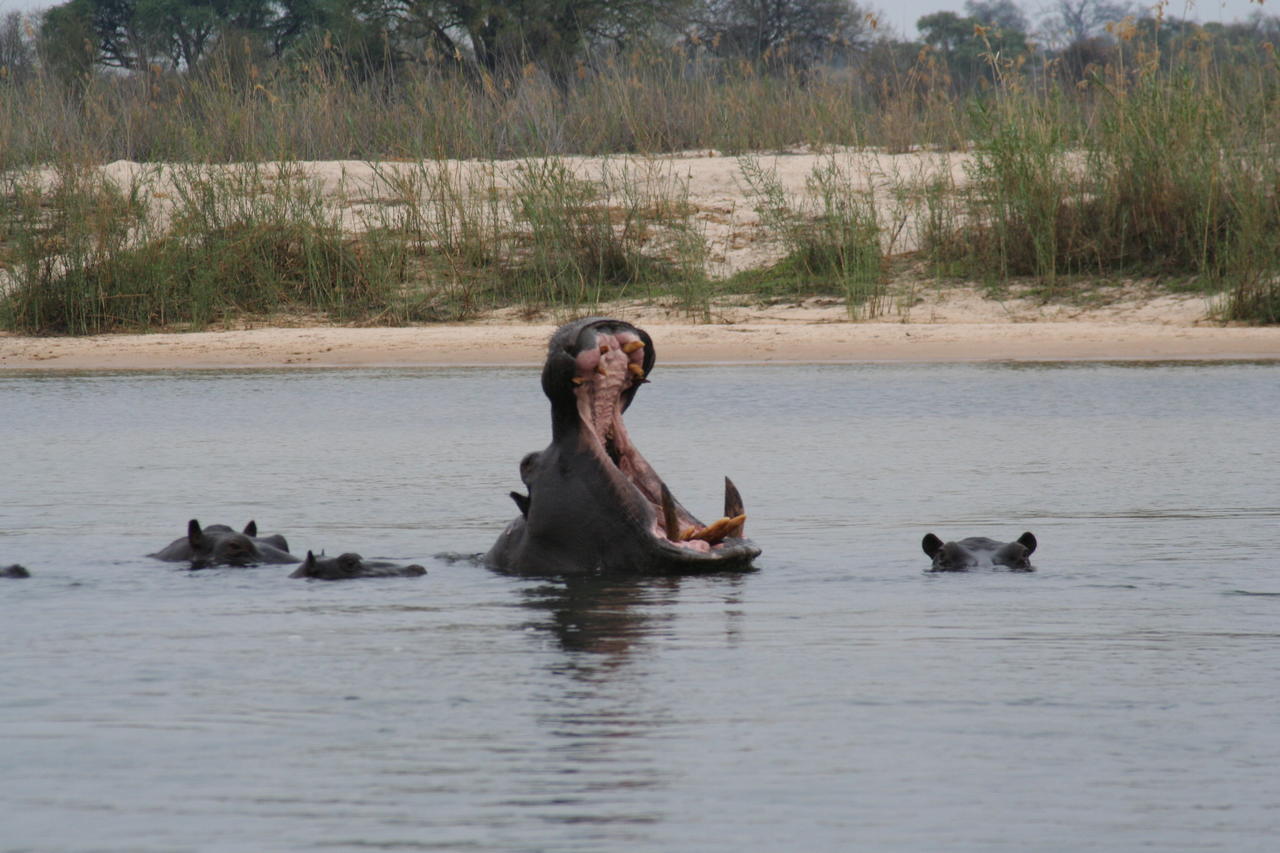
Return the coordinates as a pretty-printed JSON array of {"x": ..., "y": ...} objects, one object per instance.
[
  {"x": 594, "y": 504},
  {"x": 219, "y": 545},
  {"x": 979, "y": 552}
]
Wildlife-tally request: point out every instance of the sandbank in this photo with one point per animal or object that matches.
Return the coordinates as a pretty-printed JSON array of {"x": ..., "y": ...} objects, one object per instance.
[{"x": 797, "y": 334}]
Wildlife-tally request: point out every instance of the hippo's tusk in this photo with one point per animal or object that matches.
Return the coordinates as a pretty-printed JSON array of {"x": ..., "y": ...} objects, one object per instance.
[
  {"x": 721, "y": 529},
  {"x": 670, "y": 520},
  {"x": 713, "y": 532},
  {"x": 632, "y": 346},
  {"x": 732, "y": 500}
]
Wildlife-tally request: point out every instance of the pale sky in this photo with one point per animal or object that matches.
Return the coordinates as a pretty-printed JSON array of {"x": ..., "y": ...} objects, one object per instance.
[{"x": 901, "y": 15}]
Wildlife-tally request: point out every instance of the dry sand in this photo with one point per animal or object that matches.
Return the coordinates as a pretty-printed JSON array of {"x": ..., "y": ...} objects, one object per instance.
[
  {"x": 956, "y": 326},
  {"x": 922, "y": 322}
]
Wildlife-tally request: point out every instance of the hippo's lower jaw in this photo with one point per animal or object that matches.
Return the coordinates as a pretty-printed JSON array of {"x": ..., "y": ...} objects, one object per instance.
[{"x": 594, "y": 502}]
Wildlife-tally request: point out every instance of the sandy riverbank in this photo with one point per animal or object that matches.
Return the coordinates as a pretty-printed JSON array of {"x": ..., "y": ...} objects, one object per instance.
[
  {"x": 958, "y": 327},
  {"x": 921, "y": 321}
]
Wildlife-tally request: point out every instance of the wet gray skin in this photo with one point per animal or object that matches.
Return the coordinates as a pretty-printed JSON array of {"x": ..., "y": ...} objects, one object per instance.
[
  {"x": 348, "y": 566},
  {"x": 14, "y": 571},
  {"x": 594, "y": 504},
  {"x": 979, "y": 552},
  {"x": 219, "y": 545}
]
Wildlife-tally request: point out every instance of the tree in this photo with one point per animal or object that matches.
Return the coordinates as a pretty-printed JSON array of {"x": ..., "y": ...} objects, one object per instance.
[
  {"x": 792, "y": 32},
  {"x": 1004, "y": 14},
  {"x": 133, "y": 34},
  {"x": 1071, "y": 21},
  {"x": 968, "y": 46},
  {"x": 17, "y": 52},
  {"x": 65, "y": 44},
  {"x": 495, "y": 34}
]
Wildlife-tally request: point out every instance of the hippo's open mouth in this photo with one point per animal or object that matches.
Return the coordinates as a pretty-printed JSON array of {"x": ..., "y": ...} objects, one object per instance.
[{"x": 606, "y": 369}]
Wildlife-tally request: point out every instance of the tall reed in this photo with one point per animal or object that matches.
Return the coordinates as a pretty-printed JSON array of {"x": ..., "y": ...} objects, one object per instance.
[
  {"x": 830, "y": 236},
  {"x": 241, "y": 242},
  {"x": 1176, "y": 176},
  {"x": 1157, "y": 162}
]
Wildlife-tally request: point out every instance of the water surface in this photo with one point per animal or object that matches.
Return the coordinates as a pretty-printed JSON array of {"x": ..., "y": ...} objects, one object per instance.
[{"x": 1123, "y": 696}]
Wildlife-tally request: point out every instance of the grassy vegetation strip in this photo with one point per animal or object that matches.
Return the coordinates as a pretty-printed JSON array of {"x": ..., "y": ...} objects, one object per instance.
[{"x": 1159, "y": 165}]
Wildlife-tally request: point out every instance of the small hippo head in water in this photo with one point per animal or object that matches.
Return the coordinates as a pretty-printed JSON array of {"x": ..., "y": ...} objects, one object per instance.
[
  {"x": 346, "y": 566},
  {"x": 14, "y": 571},
  {"x": 979, "y": 552},
  {"x": 219, "y": 545}
]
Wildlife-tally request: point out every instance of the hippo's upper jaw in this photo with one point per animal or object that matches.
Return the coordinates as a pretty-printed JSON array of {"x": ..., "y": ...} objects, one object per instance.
[{"x": 594, "y": 502}]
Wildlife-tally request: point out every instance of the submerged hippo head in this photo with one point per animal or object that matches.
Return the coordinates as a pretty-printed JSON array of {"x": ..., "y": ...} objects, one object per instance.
[
  {"x": 346, "y": 566},
  {"x": 219, "y": 545},
  {"x": 593, "y": 502},
  {"x": 979, "y": 552},
  {"x": 14, "y": 571}
]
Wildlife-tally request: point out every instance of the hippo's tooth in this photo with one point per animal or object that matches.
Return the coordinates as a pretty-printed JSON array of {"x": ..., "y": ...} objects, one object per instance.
[
  {"x": 670, "y": 519},
  {"x": 604, "y": 348},
  {"x": 713, "y": 532},
  {"x": 732, "y": 500},
  {"x": 578, "y": 380},
  {"x": 600, "y": 369},
  {"x": 735, "y": 527},
  {"x": 631, "y": 346},
  {"x": 636, "y": 370}
]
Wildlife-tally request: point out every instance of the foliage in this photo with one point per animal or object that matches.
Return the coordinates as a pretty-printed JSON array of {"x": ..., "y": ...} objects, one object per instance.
[
  {"x": 369, "y": 34},
  {"x": 1074, "y": 21},
  {"x": 969, "y": 47},
  {"x": 831, "y": 237},
  {"x": 1004, "y": 14},
  {"x": 1149, "y": 154},
  {"x": 135, "y": 34},
  {"x": 247, "y": 243},
  {"x": 1178, "y": 178},
  {"x": 779, "y": 32}
]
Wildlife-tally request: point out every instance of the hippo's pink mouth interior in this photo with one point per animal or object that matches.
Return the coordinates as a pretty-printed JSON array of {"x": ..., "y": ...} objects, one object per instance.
[{"x": 603, "y": 374}]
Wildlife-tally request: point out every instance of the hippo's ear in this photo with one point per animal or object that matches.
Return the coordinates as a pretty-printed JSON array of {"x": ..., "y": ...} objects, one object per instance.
[
  {"x": 931, "y": 544},
  {"x": 522, "y": 502},
  {"x": 304, "y": 570},
  {"x": 251, "y": 529},
  {"x": 529, "y": 466},
  {"x": 1028, "y": 541},
  {"x": 195, "y": 536}
]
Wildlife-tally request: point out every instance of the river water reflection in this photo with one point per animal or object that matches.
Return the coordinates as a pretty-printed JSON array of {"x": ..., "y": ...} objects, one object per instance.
[{"x": 839, "y": 697}]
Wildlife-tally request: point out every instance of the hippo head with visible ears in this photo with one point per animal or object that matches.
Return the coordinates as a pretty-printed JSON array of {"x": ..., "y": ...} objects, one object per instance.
[
  {"x": 593, "y": 503},
  {"x": 219, "y": 545},
  {"x": 979, "y": 552}
]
